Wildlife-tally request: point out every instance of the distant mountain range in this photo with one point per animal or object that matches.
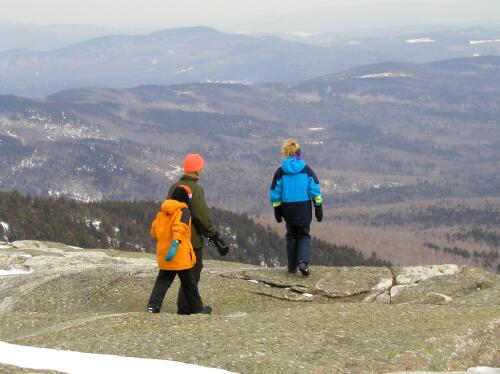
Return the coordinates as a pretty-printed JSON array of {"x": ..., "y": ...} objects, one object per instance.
[
  {"x": 15, "y": 35},
  {"x": 385, "y": 132},
  {"x": 201, "y": 54}
]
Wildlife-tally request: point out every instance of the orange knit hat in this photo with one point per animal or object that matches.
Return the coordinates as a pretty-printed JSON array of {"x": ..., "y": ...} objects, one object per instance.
[{"x": 193, "y": 163}]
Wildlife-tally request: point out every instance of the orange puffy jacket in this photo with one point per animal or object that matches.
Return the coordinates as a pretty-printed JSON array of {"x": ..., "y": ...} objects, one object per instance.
[{"x": 173, "y": 222}]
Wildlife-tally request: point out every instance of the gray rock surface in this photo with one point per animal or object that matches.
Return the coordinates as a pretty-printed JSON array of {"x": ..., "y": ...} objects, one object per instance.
[{"x": 344, "y": 320}]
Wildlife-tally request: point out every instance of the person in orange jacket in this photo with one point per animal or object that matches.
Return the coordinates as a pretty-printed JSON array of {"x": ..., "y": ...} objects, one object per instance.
[{"x": 174, "y": 252}]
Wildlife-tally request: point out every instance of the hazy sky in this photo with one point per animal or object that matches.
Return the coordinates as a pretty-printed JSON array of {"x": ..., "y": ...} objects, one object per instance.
[
  {"x": 143, "y": 12},
  {"x": 216, "y": 13}
]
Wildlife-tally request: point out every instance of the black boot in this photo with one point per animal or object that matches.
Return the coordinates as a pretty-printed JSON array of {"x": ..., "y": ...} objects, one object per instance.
[{"x": 304, "y": 269}]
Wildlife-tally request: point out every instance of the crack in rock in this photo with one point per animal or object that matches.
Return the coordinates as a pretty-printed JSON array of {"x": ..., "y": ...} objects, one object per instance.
[
  {"x": 303, "y": 292},
  {"x": 109, "y": 284},
  {"x": 67, "y": 325}
]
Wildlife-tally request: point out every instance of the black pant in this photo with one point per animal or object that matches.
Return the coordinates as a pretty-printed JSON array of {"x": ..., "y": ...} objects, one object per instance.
[
  {"x": 298, "y": 243},
  {"x": 189, "y": 285},
  {"x": 182, "y": 298}
]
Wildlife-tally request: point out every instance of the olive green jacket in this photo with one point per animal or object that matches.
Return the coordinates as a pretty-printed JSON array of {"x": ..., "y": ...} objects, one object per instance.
[{"x": 202, "y": 224}]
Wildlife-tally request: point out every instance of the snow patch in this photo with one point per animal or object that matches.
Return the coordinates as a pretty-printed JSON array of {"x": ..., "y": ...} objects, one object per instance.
[
  {"x": 73, "y": 195},
  {"x": 382, "y": 75},
  {"x": 241, "y": 82},
  {"x": 313, "y": 129},
  {"x": 383, "y": 284},
  {"x": 12, "y": 135},
  {"x": 5, "y": 226},
  {"x": 13, "y": 272},
  {"x": 308, "y": 97},
  {"x": 184, "y": 71},
  {"x": 36, "y": 160},
  {"x": 420, "y": 40},
  {"x": 172, "y": 174},
  {"x": 78, "y": 362},
  {"x": 303, "y": 34},
  {"x": 92, "y": 222},
  {"x": 475, "y": 42},
  {"x": 62, "y": 128},
  {"x": 416, "y": 274}
]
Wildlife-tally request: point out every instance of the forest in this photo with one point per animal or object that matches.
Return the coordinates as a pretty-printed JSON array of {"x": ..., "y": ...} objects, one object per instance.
[{"x": 125, "y": 226}]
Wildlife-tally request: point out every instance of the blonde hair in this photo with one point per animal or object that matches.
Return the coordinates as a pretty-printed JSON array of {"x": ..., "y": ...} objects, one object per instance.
[{"x": 289, "y": 148}]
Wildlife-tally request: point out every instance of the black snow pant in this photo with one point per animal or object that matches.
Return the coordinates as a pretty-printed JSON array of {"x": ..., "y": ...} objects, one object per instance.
[
  {"x": 163, "y": 282},
  {"x": 182, "y": 298},
  {"x": 298, "y": 243}
]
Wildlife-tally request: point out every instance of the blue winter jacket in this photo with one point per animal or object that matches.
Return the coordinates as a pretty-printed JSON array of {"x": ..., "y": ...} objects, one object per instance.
[{"x": 293, "y": 189}]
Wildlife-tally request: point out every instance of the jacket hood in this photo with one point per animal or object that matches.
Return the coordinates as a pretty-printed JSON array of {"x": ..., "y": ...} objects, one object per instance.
[
  {"x": 190, "y": 177},
  {"x": 292, "y": 165},
  {"x": 171, "y": 206}
]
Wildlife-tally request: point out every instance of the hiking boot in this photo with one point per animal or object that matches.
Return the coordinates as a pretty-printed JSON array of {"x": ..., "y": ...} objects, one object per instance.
[
  {"x": 304, "y": 269},
  {"x": 153, "y": 309},
  {"x": 207, "y": 309}
]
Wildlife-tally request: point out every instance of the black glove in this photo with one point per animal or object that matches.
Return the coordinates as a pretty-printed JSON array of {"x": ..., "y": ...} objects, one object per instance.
[
  {"x": 277, "y": 214},
  {"x": 318, "y": 212},
  {"x": 221, "y": 245}
]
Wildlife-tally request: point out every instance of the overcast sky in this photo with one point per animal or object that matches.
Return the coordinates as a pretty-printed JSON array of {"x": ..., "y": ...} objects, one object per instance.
[{"x": 216, "y": 13}]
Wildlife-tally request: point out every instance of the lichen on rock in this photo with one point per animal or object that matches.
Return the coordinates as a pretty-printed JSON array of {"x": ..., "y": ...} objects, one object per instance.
[{"x": 339, "y": 319}]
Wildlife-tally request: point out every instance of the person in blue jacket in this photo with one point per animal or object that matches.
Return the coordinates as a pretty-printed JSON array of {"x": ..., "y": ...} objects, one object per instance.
[{"x": 295, "y": 188}]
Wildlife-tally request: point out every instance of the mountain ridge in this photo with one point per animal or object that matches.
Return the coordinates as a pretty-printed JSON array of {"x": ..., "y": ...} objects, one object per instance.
[
  {"x": 190, "y": 54},
  {"x": 398, "y": 130}
]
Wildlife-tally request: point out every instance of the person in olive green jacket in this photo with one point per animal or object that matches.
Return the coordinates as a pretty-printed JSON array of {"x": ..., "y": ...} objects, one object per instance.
[{"x": 202, "y": 224}]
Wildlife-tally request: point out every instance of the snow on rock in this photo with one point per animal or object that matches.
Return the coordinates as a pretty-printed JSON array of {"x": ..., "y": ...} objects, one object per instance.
[
  {"x": 382, "y": 75},
  {"x": 314, "y": 129},
  {"x": 78, "y": 362},
  {"x": 420, "y": 40}
]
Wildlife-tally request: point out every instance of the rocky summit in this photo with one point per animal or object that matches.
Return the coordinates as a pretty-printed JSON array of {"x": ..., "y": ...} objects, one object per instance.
[{"x": 338, "y": 320}]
